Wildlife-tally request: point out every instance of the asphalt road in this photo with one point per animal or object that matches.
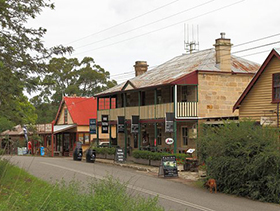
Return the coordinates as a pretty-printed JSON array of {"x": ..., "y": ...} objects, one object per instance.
[{"x": 172, "y": 193}]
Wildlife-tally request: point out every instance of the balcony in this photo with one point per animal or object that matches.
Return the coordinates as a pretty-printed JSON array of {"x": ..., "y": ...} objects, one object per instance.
[{"x": 184, "y": 109}]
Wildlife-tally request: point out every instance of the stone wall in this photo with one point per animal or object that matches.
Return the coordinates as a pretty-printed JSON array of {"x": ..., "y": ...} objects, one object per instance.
[{"x": 218, "y": 92}]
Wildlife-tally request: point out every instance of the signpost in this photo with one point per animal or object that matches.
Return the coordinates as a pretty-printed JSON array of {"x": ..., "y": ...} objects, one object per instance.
[
  {"x": 119, "y": 156},
  {"x": 92, "y": 126},
  {"x": 168, "y": 167}
]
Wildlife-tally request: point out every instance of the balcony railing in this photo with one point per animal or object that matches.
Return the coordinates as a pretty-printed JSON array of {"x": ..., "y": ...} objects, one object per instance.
[
  {"x": 187, "y": 109},
  {"x": 184, "y": 109}
]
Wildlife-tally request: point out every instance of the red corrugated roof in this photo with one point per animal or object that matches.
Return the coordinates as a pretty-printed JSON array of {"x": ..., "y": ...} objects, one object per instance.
[{"x": 81, "y": 109}]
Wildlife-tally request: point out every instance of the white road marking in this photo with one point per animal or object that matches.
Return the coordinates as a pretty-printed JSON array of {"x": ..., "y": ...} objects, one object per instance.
[{"x": 189, "y": 204}]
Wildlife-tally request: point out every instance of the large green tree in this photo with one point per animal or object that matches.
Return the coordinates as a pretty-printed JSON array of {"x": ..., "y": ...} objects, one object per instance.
[
  {"x": 23, "y": 57},
  {"x": 66, "y": 77}
]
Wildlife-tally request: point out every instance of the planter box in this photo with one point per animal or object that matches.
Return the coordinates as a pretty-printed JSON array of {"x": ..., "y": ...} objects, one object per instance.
[
  {"x": 141, "y": 161},
  {"x": 101, "y": 156},
  {"x": 180, "y": 167},
  {"x": 201, "y": 173},
  {"x": 110, "y": 157},
  {"x": 155, "y": 163}
]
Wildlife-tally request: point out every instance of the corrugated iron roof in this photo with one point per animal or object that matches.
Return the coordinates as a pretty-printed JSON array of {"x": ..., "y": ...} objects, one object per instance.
[{"x": 182, "y": 65}]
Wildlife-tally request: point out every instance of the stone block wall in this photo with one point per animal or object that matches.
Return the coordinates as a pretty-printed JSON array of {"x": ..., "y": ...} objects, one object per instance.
[{"x": 218, "y": 92}]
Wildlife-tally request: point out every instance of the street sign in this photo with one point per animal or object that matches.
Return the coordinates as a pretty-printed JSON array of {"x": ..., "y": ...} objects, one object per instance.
[{"x": 92, "y": 126}]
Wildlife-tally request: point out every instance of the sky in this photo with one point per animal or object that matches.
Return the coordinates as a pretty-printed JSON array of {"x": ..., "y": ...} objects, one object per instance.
[{"x": 116, "y": 33}]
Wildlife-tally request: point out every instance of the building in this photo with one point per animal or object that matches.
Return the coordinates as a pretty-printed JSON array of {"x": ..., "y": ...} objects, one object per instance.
[
  {"x": 171, "y": 100},
  {"x": 260, "y": 100}
]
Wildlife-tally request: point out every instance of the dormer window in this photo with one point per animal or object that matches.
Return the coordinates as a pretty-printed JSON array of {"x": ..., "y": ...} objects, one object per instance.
[{"x": 276, "y": 87}]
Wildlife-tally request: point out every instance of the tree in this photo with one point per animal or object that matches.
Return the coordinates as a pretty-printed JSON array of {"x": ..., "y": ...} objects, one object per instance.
[
  {"x": 23, "y": 57},
  {"x": 66, "y": 77}
]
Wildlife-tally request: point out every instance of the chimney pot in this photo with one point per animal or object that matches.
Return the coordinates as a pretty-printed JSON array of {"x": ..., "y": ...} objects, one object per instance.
[{"x": 223, "y": 35}]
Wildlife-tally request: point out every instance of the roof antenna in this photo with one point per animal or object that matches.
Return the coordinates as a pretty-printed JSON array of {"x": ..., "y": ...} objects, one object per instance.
[{"x": 193, "y": 45}]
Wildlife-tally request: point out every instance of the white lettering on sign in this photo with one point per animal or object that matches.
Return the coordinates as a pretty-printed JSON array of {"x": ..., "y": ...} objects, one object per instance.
[{"x": 169, "y": 141}]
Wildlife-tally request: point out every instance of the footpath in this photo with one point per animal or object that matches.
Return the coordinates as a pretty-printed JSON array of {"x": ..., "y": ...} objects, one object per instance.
[{"x": 185, "y": 175}]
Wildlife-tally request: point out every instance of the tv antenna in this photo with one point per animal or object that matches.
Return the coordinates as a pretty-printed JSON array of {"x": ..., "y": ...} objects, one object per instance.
[{"x": 192, "y": 45}]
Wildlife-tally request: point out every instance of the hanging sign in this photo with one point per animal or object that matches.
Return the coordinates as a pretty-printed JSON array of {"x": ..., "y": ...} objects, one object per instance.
[
  {"x": 169, "y": 141},
  {"x": 121, "y": 124},
  {"x": 105, "y": 123},
  {"x": 92, "y": 126},
  {"x": 135, "y": 124},
  {"x": 169, "y": 121}
]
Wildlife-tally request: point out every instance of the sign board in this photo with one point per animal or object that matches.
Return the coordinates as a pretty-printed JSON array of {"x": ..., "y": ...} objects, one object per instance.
[
  {"x": 169, "y": 121},
  {"x": 168, "y": 166},
  {"x": 20, "y": 152},
  {"x": 119, "y": 156},
  {"x": 121, "y": 124},
  {"x": 135, "y": 124},
  {"x": 92, "y": 126},
  {"x": 105, "y": 123},
  {"x": 190, "y": 150},
  {"x": 268, "y": 121},
  {"x": 169, "y": 141}
]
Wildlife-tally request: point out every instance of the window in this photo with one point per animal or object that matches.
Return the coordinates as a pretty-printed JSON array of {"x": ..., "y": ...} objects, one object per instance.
[
  {"x": 185, "y": 135},
  {"x": 84, "y": 138},
  {"x": 276, "y": 87},
  {"x": 159, "y": 98},
  {"x": 65, "y": 116},
  {"x": 184, "y": 93},
  {"x": 159, "y": 132}
]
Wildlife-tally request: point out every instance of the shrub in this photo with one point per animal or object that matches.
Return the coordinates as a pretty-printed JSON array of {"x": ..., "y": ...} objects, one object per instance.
[
  {"x": 105, "y": 150},
  {"x": 144, "y": 154},
  {"x": 244, "y": 159}
]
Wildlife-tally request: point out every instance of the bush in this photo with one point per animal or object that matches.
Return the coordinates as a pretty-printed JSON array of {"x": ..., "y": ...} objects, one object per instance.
[
  {"x": 144, "y": 154},
  {"x": 105, "y": 150},
  {"x": 243, "y": 158}
]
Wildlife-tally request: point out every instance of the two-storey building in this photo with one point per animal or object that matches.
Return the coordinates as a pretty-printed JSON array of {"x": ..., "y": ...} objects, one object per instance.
[{"x": 171, "y": 100}]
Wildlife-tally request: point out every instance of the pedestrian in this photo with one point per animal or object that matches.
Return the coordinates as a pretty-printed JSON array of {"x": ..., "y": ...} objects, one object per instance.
[{"x": 29, "y": 147}]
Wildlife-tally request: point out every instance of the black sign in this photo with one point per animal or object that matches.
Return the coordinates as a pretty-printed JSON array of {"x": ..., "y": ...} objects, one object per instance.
[
  {"x": 121, "y": 124},
  {"x": 168, "y": 167},
  {"x": 119, "y": 156},
  {"x": 135, "y": 124},
  {"x": 92, "y": 126},
  {"x": 105, "y": 124},
  {"x": 169, "y": 122}
]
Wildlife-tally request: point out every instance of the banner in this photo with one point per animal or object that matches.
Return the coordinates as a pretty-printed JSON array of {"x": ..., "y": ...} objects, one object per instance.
[
  {"x": 169, "y": 121},
  {"x": 135, "y": 124},
  {"x": 105, "y": 124},
  {"x": 92, "y": 126},
  {"x": 121, "y": 124}
]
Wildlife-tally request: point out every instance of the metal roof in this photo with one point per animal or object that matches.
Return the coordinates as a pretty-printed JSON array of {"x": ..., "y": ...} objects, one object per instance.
[{"x": 182, "y": 65}]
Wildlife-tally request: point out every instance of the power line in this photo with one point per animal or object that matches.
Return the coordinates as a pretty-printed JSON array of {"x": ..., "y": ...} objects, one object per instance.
[
  {"x": 197, "y": 6},
  {"x": 141, "y": 35},
  {"x": 119, "y": 24}
]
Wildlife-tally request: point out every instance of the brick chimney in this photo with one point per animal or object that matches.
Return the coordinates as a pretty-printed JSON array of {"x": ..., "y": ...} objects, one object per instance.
[
  {"x": 140, "y": 67},
  {"x": 223, "y": 55}
]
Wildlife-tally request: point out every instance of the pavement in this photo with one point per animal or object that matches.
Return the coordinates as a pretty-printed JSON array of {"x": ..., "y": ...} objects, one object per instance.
[{"x": 185, "y": 175}]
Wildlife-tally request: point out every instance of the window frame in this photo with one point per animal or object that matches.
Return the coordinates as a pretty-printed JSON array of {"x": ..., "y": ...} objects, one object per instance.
[
  {"x": 273, "y": 88},
  {"x": 183, "y": 136}
]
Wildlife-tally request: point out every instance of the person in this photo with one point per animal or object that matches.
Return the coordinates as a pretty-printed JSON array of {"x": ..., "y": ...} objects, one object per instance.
[{"x": 29, "y": 147}]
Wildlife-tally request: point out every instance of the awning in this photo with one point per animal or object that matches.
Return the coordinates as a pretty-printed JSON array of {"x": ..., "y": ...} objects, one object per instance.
[{"x": 61, "y": 128}]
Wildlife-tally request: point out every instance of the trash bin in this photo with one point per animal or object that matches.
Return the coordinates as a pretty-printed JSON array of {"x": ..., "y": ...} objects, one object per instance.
[
  {"x": 42, "y": 151},
  {"x": 78, "y": 154},
  {"x": 90, "y": 156}
]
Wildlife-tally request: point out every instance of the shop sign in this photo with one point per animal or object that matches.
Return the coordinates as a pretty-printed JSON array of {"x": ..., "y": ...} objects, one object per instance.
[
  {"x": 92, "y": 126},
  {"x": 119, "y": 156},
  {"x": 105, "y": 123},
  {"x": 135, "y": 124},
  {"x": 169, "y": 118},
  {"x": 169, "y": 141}
]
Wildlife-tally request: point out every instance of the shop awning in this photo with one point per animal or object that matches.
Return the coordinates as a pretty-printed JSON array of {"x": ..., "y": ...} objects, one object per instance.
[{"x": 61, "y": 128}]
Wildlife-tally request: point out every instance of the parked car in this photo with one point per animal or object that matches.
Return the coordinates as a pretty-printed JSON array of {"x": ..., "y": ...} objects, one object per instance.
[{"x": 103, "y": 144}]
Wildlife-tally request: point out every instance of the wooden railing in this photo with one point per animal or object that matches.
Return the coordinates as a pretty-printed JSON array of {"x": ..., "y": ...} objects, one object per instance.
[
  {"x": 184, "y": 109},
  {"x": 187, "y": 109}
]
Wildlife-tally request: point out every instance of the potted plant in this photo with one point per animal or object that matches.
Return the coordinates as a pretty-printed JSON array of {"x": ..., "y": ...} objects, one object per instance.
[{"x": 202, "y": 170}]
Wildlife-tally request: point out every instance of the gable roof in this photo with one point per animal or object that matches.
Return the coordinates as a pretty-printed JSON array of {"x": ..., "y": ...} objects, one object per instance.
[
  {"x": 274, "y": 52},
  {"x": 81, "y": 109},
  {"x": 181, "y": 66}
]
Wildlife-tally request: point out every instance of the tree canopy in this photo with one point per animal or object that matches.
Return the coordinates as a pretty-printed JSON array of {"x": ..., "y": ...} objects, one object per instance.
[{"x": 23, "y": 57}]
